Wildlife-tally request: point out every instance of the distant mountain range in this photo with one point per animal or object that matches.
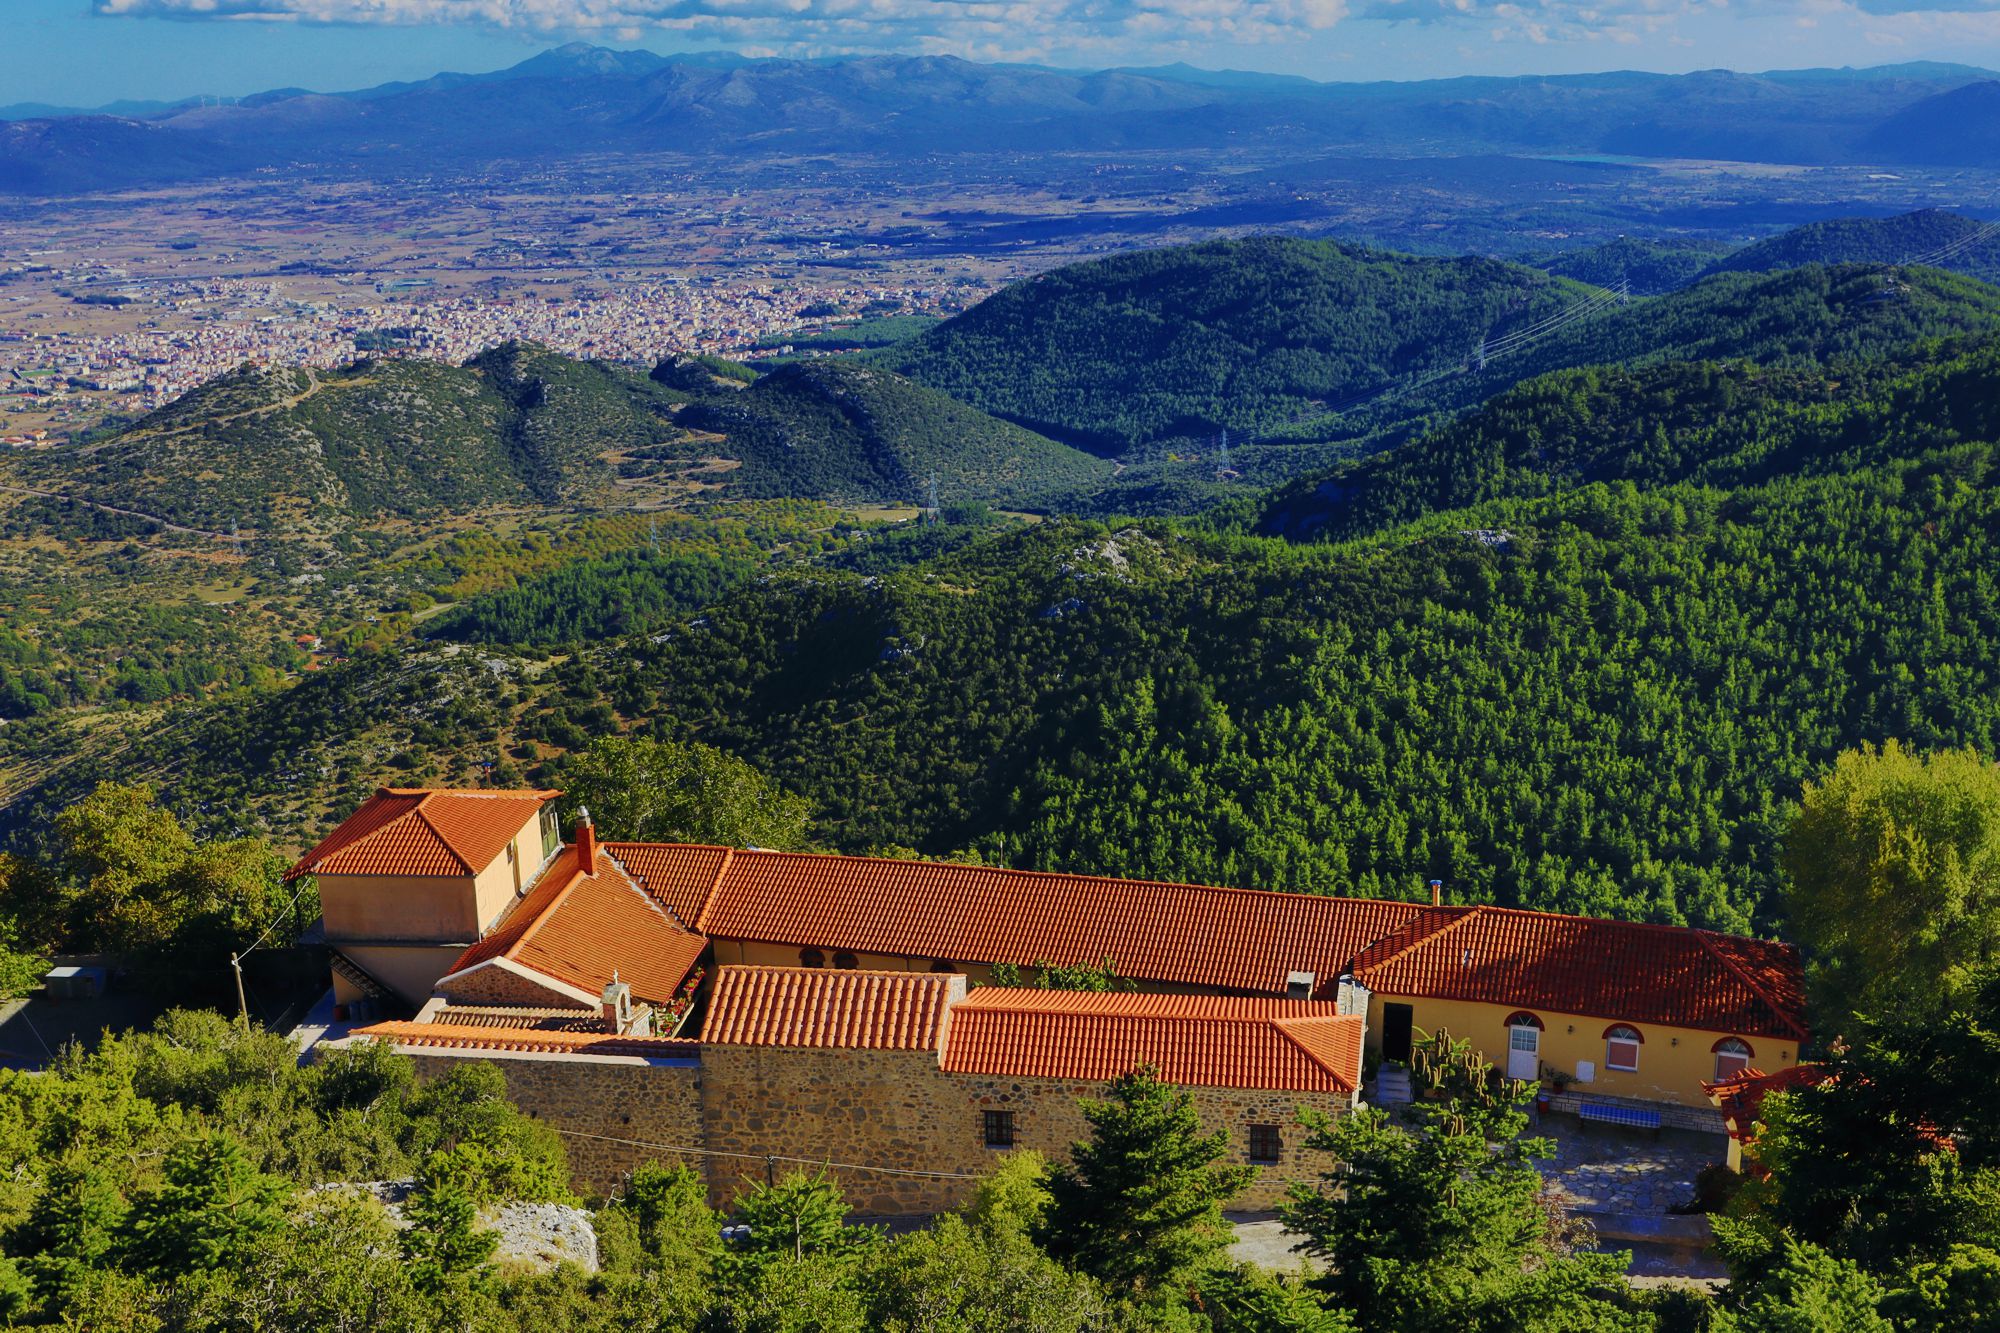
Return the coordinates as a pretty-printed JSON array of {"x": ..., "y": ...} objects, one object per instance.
[{"x": 584, "y": 98}]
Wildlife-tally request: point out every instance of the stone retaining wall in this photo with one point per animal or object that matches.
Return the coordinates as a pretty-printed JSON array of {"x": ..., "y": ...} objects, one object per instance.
[
  {"x": 616, "y": 1097},
  {"x": 758, "y": 1110}
]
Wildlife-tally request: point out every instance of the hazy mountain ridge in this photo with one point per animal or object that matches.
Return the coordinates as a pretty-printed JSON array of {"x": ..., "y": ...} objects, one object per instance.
[{"x": 581, "y": 97}]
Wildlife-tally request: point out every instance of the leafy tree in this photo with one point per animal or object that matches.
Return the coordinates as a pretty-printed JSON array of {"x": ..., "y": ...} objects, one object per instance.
[
  {"x": 1139, "y": 1207},
  {"x": 1895, "y": 866},
  {"x": 213, "y": 1203},
  {"x": 667, "y": 791},
  {"x": 1098, "y": 977},
  {"x": 979, "y": 1269},
  {"x": 1444, "y": 1225},
  {"x": 1246, "y": 1300},
  {"x": 1960, "y": 1291},
  {"x": 1809, "y": 1291}
]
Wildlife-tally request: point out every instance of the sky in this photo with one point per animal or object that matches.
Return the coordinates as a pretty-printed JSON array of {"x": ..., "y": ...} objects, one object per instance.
[{"x": 89, "y": 52}]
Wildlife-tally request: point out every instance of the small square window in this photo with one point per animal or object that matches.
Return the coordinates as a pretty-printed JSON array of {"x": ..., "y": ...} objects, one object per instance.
[
  {"x": 999, "y": 1129},
  {"x": 1265, "y": 1145}
]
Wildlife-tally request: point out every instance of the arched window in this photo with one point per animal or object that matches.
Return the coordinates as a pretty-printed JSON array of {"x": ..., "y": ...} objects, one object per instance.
[
  {"x": 846, "y": 960},
  {"x": 1521, "y": 1018},
  {"x": 1732, "y": 1057},
  {"x": 1621, "y": 1048},
  {"x": 811, "y": 958},
  {"x": 944, "y": 965}
]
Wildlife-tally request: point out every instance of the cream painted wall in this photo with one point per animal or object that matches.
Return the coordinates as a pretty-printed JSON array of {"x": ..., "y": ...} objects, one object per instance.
[
  {"x": 443, "y": 908},
  {"x": 411, "y": 970},
  {"x": 1667, "y": 1072},
  {"x": 398, "y": 907}
]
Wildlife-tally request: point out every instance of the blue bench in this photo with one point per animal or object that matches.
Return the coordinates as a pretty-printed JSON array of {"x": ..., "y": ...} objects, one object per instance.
[{"x": 1631, "y": 1117}]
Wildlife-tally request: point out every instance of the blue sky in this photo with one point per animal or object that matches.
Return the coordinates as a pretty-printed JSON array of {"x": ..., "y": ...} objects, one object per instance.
[{"x": 85, "y": 52}]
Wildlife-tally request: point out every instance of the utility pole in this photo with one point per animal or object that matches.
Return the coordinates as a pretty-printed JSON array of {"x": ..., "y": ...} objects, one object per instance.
[
  {"x": 242, "y": 1005},
  {"x": 1225, "y": 448}
]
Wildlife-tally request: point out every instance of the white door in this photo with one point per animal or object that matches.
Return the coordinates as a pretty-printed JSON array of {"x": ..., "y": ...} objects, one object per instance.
[{"x": 1524, "y": 1052}]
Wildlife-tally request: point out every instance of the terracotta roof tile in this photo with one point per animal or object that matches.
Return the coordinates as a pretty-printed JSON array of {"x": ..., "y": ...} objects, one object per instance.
[
  {"x": 1620, "y": 970},
  {"x": 800, "y": 1006},
  {"x": 1208, "y": 1041},
  {"x": 417, "y": 831},
  {"x": 1740, "y": 1097},
  {"x": 678, "y": 875},
  {"x": 1233, "y": 939},
  {"x": 582, "y": 928},
  {"x": 527, "y": 1040},
  {"x": 517, "y": 1016}
]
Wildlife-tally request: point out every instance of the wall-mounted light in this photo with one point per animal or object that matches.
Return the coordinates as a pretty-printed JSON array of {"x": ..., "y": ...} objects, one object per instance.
[
  {"x": 1570, "y": 1028},
  {"x": 1675, "y": 1042}
]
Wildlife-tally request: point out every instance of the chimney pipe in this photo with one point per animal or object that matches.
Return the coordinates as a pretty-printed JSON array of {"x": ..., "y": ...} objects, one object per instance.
[
  {"x": 586, "y": 841},
  {"x": 1437, "y": 893}
]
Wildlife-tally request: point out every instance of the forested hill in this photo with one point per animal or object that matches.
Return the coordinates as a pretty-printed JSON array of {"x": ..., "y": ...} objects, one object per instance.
[
  {"x": 292, "y": 450},
  {"x": 1118, "y": 352},
  {"x": 1717, "y": 424},
  {"x": 1600, "y": 701},
  {"x": 1124, "y": 351},
  {"x": 832, "y": 430},
  {"x": 1947, "y": 240}
]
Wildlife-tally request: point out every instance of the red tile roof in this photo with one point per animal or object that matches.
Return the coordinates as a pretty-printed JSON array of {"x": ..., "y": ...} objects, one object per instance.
[
  {"x": 1669, "y": 975},
  {"x": 1232, "y": 939},
  {"x": 517, "y": 1016},
  {"x": 800, "y": 1006},
  {"x": 419, "y": 831},
  {"x": 527, "y": 1040},
  {"x": 582, "y": 928},
  {"x": 679, "y": 876},
  {"x": 1208, "y": 1041},
  {"x": 1741, "y": 1096}
]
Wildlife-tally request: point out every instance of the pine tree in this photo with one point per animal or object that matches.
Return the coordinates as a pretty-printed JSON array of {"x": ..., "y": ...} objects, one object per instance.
[
  {"x": 213, "y": 1203},
  {"x": 1443, "y": 1226},
  {"x": 1140, "y": 1205}
]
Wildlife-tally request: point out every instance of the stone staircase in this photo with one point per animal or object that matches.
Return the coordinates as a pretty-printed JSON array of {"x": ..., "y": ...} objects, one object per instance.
[{"x": 1392, "y": 1086}]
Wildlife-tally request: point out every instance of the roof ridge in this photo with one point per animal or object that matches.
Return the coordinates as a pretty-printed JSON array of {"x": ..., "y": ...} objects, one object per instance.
[
  {"x": 436, "y": 832},
  {"x": 714, "y": 885},
  {"x": 1067, "y": 874},
  {"x": 1466, "y": 913},
  {"x": 666, "y": 910},
  {"x": 1706, "y": 938},
  {"x": 542, "y": 918}
]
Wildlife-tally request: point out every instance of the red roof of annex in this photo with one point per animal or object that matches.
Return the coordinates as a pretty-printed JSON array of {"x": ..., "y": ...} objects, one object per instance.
[{"x": 423, "y": 831}]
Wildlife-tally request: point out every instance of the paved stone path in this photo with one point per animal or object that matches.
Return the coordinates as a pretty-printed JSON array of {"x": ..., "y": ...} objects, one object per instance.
[{"x": 1607, "y": 1169}]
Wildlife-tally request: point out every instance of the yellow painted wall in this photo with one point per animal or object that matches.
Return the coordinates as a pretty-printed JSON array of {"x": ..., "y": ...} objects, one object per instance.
[{"x": 1667, "y": 1072}]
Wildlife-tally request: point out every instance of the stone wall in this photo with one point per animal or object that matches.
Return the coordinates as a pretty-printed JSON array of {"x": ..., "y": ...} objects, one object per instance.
[
  {"x": 503, "y": 985},
  {"x": 762, "y": 1110},
  {"x": 616, "y": 1097},
  {"x": 858, "y": 1109}
]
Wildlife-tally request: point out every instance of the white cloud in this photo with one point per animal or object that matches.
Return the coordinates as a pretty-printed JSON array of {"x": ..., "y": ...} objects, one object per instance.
[{"x": 995, "y": 28}]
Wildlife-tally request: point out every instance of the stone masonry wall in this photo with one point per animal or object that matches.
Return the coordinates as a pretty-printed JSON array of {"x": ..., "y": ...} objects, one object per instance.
[
  {"x": 498, "y": 985},
  {"x": 857, "y": 1109},
  {"x": 619, "y": 1097}
]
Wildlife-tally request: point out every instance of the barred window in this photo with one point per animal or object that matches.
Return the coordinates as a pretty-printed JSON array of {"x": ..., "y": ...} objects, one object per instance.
[
  {"x": 1265, "y": 1145},
  {"x": 999, "y": 1129}
]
